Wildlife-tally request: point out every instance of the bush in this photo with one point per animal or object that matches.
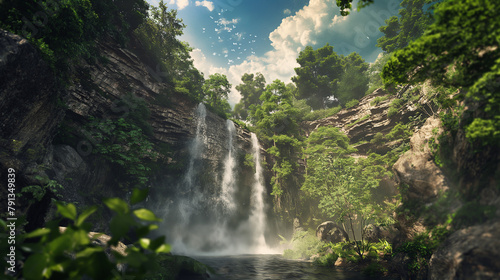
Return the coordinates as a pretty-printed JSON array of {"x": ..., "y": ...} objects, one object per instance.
[
  {"x": 352, "y": 103},
  {"x": 377, "y": 100},
  {"x": 304, "y": 244},
  {"x": 70, "y": 254},
  {"x": 326, "y": 260}
]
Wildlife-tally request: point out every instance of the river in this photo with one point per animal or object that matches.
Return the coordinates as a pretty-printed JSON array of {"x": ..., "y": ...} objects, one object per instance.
[{"x": 242, "y": 267}]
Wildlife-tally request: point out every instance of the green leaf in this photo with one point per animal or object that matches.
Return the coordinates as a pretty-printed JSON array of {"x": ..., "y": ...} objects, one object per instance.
[
  {"x": 89, "y": 251},
  {"x": 163, "y": 248},
  {"x": 138, "y": 195},
  {"x": 37, "y": 264},
  {"x": 117, "y": 205},
  {"x": 37, "y": 233},
  {"x": 85, "y": 215},
  {"x": 146, "y": 215},
  {"x": 68, "y": 211},
  {"x": 145, "y": 242}
]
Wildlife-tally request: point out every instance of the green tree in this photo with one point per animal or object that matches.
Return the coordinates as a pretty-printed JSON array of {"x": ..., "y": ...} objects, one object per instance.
[
  {"x": 276, "y": 120},
  {"x": 317, "y": 76},
  {"x": 459, "y": 50},
  {"x": 250, "y": 90},
  {"x": 216, "y": 90},
  {"x": 354, "y": 82},
  {"x": 414, "y": 17},
  {"x": 338, "y": 181}
]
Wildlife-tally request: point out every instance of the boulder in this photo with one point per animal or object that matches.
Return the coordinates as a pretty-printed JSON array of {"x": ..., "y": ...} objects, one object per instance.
[
  {"x": 331, "y": 232},
  {"x": 416, "y": 167},
  {"x": 375, "y": 233},
  {"x": 471, "y": 253}
]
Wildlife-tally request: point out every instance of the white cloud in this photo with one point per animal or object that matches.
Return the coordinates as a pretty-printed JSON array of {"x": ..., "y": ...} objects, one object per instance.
[
  {"x": 181, "y": 4},
  {"x": 207, "y": 4},
  {"x": 287, "y": 12},
  {"x": 306, "y": 27}
]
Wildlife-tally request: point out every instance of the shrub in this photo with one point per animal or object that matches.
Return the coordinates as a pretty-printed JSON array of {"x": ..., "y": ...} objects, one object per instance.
[
  {"x": 326, "y": 260},
  {"x": 70, "y": 254},
  {"x": 352, "y": 103},
  {"x": 304, "y": 245},
  {"x": 377, "y": 100}
]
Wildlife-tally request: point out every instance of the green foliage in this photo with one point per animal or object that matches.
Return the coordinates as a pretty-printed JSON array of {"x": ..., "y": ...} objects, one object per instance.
[
  {"x": 326, "y": 260},
  {"x": 318, "y": 74},
  {"x": 363, "y": 118},
  {"x": 473, "y": 213},
  {"x": 277, "y": 124},
  {"x": 38, "y": 192},
  {"x": 421, "y": 248},
  {"x": 354, "y": 81},
  {"x": 342, "y": 185},
  {"x": 70, "y": 254},
  {"x": 346, "y": 5},
  {"x": 249, "y": 161},
  {"x": 125, "y": 145},
  {"x": 169, "y": 57},
  {"x": 374, "y": 73},
  {"x": 378, "y": 99},
  {"x": 394, "y": 108},
  {"x": 399, "y": 131},
  {"x": 250, "y": 90},
  {"x": 216, "y": 90},
  {"x": 304, "y": 245},
  {"x": 472, "y": 64},
  {"x": 65, "y": 31},
  {"x": 352, "y": 103},
  {"x": 411, "y": 24}
]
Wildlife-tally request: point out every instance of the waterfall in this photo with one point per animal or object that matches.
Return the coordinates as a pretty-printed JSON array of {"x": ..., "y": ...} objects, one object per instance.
[
  {"x": 228, "y": 177},
  {"x": 189, "y": 196},
  {"x": 217, "y": 211},
  {"x": 257, "y": 219}
]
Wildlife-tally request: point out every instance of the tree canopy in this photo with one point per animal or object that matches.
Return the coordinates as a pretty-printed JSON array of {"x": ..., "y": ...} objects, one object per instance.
[
  {"x": 460, "y": 50},
  {"x": 318, "y": 74},
  {"x": 217, "y": 89},
  {"x": 251, "y": 89},
  {"x": 414, "y": 17}
]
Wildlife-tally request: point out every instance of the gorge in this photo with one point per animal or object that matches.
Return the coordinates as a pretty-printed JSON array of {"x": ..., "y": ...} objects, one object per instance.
[{"x": 124, "y": 136}]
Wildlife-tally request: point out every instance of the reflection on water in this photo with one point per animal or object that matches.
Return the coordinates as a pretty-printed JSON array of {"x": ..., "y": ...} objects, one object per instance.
[{"x": 270, "y": 267}]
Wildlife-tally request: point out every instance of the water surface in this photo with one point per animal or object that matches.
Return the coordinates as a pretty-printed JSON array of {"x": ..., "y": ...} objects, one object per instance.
[{"x": 258, "y": 267}]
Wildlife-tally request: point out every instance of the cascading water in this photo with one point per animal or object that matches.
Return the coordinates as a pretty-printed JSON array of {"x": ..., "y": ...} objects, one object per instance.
[
  {"x": 212, "y": 212},
  {"x": 258, "y": 215},
  {"x": 228, "y": 178}
]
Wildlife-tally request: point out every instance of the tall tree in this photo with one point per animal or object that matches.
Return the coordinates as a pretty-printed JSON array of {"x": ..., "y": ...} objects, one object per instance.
[
  {"x": 217, "y": 89},
  {"x": 277, "y": 123},
  {"x": 354, "y": 82},
  {"x": 338, "y": 181},
  {"x": 414, "y": 17},
  {"x": 318, "y": 75},
  {"x": 251, "y": 89}
]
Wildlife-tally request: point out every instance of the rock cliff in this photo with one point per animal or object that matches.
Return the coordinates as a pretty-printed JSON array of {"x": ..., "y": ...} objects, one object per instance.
[{"x": 35, "y": 108}]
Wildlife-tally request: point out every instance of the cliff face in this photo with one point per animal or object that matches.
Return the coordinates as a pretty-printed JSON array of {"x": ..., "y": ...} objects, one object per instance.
[{"x": 34, "y": 109}]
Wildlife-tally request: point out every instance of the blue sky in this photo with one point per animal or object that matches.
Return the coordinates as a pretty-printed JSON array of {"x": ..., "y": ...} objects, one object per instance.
[{"x": 234, "y": 37}]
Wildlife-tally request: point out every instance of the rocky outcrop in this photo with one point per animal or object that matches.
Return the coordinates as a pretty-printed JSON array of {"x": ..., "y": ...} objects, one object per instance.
[
  {"x": 29, "y": 109},
  {"x": 331, "y": 232},
  {"x": 471, "y": 253},
  {"x": 32, "y": 107},
  {"x": 417, "y": 169},
  {"x": 363, "y": 121}
]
